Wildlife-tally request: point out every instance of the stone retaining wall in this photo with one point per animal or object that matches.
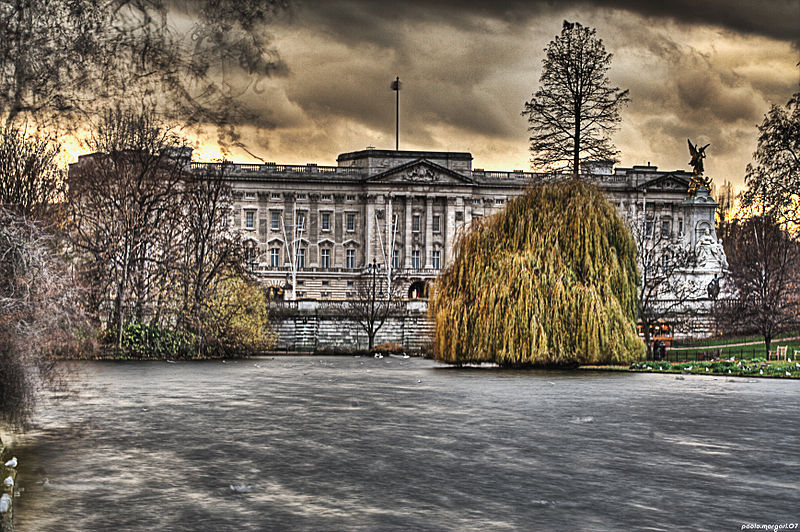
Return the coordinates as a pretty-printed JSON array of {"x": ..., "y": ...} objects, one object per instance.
[{"x": 312, "y": 326}]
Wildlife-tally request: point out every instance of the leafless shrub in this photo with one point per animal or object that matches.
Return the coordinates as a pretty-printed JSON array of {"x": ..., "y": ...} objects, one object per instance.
[{"x": 38, "y": 316}]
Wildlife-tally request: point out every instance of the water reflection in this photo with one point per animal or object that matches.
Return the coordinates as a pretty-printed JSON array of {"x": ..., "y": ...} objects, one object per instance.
[{"x": 394, "y": 444}]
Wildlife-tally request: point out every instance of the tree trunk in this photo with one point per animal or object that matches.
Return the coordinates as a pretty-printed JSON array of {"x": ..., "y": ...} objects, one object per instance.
[
  {"x": 120, "y": 318},
  {"x": 576, "y": 153}
]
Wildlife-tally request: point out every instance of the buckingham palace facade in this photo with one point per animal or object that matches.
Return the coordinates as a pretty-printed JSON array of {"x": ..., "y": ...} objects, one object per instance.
[{"x": 407, "y": 208}]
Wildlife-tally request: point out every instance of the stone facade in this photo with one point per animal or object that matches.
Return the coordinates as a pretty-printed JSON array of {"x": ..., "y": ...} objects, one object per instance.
[{"x": 347, "y": 213}]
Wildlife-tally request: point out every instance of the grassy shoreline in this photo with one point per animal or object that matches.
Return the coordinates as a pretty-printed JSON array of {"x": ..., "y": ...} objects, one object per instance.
[{"x": 717, "y": 368}]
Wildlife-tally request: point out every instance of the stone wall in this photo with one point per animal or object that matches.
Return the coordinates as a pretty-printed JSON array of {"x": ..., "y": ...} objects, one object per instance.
[{"x": 311, "y": 326}]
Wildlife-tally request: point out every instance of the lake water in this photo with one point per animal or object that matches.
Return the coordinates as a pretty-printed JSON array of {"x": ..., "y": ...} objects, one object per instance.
[{"x": 364, "y": 444}]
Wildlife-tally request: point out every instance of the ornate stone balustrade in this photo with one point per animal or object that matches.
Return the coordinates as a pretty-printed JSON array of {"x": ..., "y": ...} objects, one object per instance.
[{"x": 271, "y": 168}]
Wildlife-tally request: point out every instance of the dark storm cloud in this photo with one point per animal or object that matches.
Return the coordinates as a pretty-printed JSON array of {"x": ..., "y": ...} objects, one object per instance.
[
  {"x": 778, "y": 19},
  {"x": 707, "y": 71}
]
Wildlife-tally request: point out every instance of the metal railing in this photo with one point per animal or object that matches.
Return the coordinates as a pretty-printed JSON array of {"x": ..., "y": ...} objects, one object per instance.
[
  {"x": 708, "y": 354},
  {"x": 337, "y": 304}
]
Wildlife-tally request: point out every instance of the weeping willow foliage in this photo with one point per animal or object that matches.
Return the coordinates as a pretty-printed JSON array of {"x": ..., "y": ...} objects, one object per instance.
[{"x": 550, "y": 281}]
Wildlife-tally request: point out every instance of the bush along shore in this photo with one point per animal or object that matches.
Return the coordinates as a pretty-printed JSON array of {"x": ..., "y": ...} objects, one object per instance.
[{"x": 756, "y": 367}]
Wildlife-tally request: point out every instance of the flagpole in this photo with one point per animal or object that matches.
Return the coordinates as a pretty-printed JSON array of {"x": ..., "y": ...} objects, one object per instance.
[{"x": 396, "y": 88}]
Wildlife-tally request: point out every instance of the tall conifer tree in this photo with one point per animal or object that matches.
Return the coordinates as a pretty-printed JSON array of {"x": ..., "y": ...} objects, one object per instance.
[{"x": 575, "y": 110}]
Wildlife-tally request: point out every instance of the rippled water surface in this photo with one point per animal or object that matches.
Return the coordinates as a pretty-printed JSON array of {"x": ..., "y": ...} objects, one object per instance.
[{"x": 405, "y": 444}]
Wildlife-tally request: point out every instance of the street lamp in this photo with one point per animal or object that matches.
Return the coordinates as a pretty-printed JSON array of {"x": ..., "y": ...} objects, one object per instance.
[
  {"x": 373, "y": 270},
  {"x": 288, "y": 285},
  {"x": 250, "y": 255}
]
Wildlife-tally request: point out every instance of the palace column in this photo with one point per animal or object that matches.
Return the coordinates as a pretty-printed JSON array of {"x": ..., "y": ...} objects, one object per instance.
[
  {"x": 428, "y": 230},
  {"x": 388, "y": 229},
  {"x": 407, "y": 233},
  {"x": 370, "y": 214},
  {"x": 449, "y": 229}
]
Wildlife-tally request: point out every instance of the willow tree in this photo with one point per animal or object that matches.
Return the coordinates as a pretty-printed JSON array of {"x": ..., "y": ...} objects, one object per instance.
[{"x": 550, "y": 281}]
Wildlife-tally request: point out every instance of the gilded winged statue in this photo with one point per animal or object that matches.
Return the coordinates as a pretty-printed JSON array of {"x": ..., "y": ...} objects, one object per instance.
[{"x": 698, "y": 180}]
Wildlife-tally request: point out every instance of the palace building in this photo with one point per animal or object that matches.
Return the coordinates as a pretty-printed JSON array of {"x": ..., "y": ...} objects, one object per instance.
[
  {"x": 313, "y": 234},
  {"x": 405, "y": 209}
]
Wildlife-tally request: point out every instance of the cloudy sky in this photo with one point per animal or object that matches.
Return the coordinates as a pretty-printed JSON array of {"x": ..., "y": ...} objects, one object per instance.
[{"x": 706, "y": 70}]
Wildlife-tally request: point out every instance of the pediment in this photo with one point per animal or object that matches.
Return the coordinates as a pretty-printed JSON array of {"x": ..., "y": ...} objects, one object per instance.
[
  {"x": 666, "y": 183},
  {"x": 420, "y": 172}
]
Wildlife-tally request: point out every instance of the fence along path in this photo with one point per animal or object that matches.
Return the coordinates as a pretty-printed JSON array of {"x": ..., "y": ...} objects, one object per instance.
[{"x": 740, "y": 344}]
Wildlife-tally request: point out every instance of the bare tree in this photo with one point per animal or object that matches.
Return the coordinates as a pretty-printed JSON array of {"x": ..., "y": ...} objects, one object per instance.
[
  {"x": 38, "y": 313},
  {"x": 210, "y": 247},
  {"x": 60, "y": 61},
  {"x": 575, "y": 110},
  {"x": 726, "y": 205},
  {"x": 155, "y": 243},
  {"x": 774, "y": 180},
  {"x": 372, "y": 304},
  {"x": 764, "y": 262},
  {"x": 30, "y": 180},
  {"x": 665, "y": 262},
  {"x": 125, "y": 207}
]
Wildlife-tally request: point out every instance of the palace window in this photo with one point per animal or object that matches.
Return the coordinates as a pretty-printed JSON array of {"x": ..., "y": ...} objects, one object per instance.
[
  {"x": 665, "y": 229},
  {"x": 415, "y": 223},
  {"x": 274, "y": 257},
  {"x": 680, "y": 226},
  {"x": 436, "y": 259},
  {"x": 301, "y": 220},
  {"x": 301, "y": 258},
  {"x": 325, "y": 223},
  {"x": 395, "y": 258},
  {"x": 415, "y": 259},
  {"x": 276, "y": 196},
  {"x": 325, "y": 258},
  {"x": 437, "y": 225},
  {"x": 351, "y": 197},
  {"x": 327, "y": 197},
  {"x": 350, "y": 258},
  {"x": 499, "y": 201},
  {"x": 301, "y": 196},
  {"x": 351, "y": 222},
  {"x": 249, "y": 195},
  {"x": 276, "y": 221},
  {"x": 648, "y": 228},
  {"x": 250, "y": 219}
]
